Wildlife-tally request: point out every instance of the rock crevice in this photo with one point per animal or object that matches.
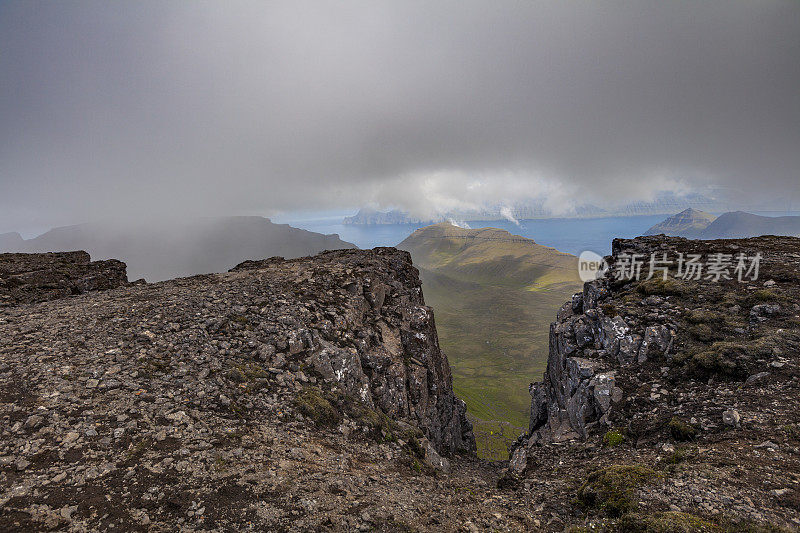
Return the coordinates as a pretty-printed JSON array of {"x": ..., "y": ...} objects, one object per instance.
[{"x": 587, "y": 347}]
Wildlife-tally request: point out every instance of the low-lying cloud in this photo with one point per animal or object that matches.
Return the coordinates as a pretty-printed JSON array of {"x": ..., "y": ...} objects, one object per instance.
[{"x": 140, "y": 109}]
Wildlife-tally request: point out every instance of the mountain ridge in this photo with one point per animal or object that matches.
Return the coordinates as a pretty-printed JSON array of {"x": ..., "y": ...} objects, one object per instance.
[
  {"x": 160, "y": 250},
  {"x": 739, "y": 224},
  {"x": 311, "y": 395},
  {"x": 665, "y": 377},
  {"x": 694, "y": 224},
  {"x": 218, "y": 401}
]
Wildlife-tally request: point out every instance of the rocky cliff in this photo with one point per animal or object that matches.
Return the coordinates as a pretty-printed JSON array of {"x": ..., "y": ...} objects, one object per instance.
[
  {"x": 639, "y": 368},
  {"x": 29, "y": 278},
  {"x": 195, "y": 401},
  {"x": 361, "y": 324}
]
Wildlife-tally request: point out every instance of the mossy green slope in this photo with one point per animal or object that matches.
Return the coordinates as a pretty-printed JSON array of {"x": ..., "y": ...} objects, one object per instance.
[{"x": 494, "y": 295}]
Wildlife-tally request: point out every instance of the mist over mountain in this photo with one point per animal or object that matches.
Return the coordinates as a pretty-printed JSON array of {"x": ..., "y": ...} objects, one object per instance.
[
  {"x": 11, "y": 242},
  {"x": 694, "y": 224},
  {"x": 159, "y": 250},
  {"x": 368, "y": 217},
  {"x": 300, "y": 106},
  {"x": 264, "y": 377}
]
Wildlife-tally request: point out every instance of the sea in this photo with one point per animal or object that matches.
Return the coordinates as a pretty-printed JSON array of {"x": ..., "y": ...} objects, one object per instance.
[{"x": 571, "y": 235}]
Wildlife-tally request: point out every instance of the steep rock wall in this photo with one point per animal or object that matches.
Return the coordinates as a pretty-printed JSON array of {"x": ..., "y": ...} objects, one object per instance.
[
  {"x": 631, "y": 353},
  {"x": 373, "y": 336}
]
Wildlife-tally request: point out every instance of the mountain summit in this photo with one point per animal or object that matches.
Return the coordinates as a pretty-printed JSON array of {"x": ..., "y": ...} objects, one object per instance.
[
  {"x": 312, "y": 395},
  {"x": 694, "y": 224},
  {"x": 688, "y": 223}
]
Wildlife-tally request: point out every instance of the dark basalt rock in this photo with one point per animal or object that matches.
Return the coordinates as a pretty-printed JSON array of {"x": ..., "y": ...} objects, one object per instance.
[
  {"x": 30, "y": 278},
  {"x": 395, "y": 363},
  {"x": 621, "y": 337},
  {"x": 355, "y": 319},
  {"x": 311, "y": 395}
]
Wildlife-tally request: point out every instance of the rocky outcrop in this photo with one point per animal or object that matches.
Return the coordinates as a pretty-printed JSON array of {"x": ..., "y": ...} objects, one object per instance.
[
  {"x": 587, "y": 346},
  {"x": 254, "y": 400},
  {"x": 325, "y": 369},
  {"x": 29, "y": 278},
  {"x": 377, "y": 340},
  {"x": 356, "y": 320},
  {"x": 615, "y": 343}
]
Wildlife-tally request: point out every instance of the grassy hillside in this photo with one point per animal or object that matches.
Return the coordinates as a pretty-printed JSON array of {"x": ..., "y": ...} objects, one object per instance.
[{"x": 494, "y": 295}]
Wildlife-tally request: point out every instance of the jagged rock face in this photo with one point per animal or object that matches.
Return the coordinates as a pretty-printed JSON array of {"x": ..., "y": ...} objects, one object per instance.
[
  {"x": 202, "y": 404},
  {"x": 620, "y": 337},
  {"x": 29, "y": 278},
  {"x": 376, "y": 339},
  {"x": 586, "y": 346}
]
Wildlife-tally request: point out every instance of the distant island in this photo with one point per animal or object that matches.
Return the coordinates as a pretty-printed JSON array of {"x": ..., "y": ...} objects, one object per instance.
[
  {"x": 694, "y": 224},
  {"x": 372, "y": 217}
]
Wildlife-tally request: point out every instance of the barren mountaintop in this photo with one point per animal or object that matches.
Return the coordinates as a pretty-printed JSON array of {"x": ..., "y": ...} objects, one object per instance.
[
  {"x": 197, "y": 400},
  {"x": 29, "y": 278},
  {"x": 682, "y": 394},
  {"x": 311, "y": 395}
]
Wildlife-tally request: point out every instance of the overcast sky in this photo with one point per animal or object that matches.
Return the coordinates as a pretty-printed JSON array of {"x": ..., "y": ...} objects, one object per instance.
[{"x": 136, "y": 108}]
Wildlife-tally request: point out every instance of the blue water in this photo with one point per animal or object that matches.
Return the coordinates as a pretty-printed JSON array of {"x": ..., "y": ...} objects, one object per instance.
[
  {"x": 569, "y": 235},
  {"x": 575, "y": 235}
]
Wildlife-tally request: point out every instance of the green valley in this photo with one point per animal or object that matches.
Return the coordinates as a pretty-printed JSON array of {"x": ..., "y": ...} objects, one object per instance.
[{"x": 494, "y": 295}]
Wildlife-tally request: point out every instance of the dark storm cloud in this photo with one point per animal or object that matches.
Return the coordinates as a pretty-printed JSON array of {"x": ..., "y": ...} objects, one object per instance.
[{"x": 137, "y": 109}]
